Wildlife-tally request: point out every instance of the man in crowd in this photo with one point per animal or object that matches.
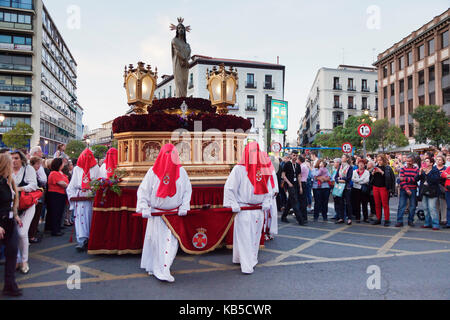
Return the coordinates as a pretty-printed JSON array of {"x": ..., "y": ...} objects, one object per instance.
[
  {"x": 291, "y": 177},
  {"x": 408, "y": 178},
  {"x": 304, "y": 175}
]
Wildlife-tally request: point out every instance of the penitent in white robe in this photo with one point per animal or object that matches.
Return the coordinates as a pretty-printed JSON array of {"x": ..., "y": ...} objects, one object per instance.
[
  {"x": 103, "y": 174},
  {"x": 82, "y": 209},
  {"x": 248, "y": 225},
  {"x": 272, "y": 218},
  {"x": 160, "y": 245}
]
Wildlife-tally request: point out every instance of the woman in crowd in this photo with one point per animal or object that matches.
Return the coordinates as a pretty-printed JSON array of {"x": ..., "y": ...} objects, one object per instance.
[
  {"x": 361, "y": 191},
  {"x": 9, "y": 221},
  {"x": 334, "y": 172},
  {"x": 429, "y": 189},
  {"x": 321, "y": 190},
  {"x": 383, "y": 183},
  {"x": 36, "y": 163},
  {"x": 442, "y": 203},
  {"x": 56, "y": 197},
  {"x": 26, "y": 181},
  {"x": 344, "y": 203},
  {"x": 446, "y": 175}
]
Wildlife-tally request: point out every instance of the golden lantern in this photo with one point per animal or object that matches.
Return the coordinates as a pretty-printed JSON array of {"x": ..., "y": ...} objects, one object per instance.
[
  {"x": 140, "y": 84},
  {"x": 222, "y": 87}
]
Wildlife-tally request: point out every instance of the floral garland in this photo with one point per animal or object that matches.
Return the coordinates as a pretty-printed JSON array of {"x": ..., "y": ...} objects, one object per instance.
[
  {"x": 159, "y": 121},
  {"x": 104, "y": 185},
  {"x": 199, "y": 104}
]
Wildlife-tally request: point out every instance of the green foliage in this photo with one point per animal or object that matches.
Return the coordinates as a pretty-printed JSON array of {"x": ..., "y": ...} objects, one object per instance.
[
  {"x": 74, "y": 148},
  {"x": 383, "y": 136},
  {"x": 99, "y": 151},
  {"x": 19, "y": 137},
  {"x": 433, "y": 125}
]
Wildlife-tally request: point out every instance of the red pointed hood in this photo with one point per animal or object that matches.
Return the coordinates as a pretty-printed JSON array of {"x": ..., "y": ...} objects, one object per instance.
[
  {"x": 86, "y": 161},
  {"x": 167, "y": 168},
  {"x": 257, "y": 168},
  {"x": 111, "y": 162}
]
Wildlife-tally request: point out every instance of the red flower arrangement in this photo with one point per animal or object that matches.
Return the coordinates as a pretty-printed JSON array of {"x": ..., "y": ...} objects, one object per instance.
[
  {"x": 199, "y": 104},
  {"x": 157, "y": 122}
]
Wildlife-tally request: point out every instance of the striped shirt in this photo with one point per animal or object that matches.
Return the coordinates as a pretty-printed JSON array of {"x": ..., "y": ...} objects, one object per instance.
[{"x": 410, "y": 175}]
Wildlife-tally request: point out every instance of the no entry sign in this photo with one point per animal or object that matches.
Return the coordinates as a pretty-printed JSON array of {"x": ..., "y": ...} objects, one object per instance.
[
  {"x": 347, "y": 148},
  {"x": 365, "y": 131}
]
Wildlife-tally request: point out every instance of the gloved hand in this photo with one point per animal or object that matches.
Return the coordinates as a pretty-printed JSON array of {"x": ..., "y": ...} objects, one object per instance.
[
  {"x": 147, "y": 213},
  {"x": 182, "y": 213},
  {"x": 265, "y": 207},
  {"x": 236, "y": 209}
]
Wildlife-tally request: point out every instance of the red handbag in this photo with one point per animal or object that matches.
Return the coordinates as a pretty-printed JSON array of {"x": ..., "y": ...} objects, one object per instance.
[{"x": 29, "y": 199}]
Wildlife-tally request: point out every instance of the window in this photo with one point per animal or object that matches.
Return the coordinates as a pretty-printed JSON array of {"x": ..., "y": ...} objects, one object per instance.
[
  {"x": 410, "y": 83},
  {"x": 392, "y": 67},
  {"x": 337, "y": 102},
  {"x": 252, "y": 121},
  {"x": 336, "y": 85},
  {"x": 364, "y": 85},
  {"x": 250, "y": 80},
  {"x": 350, "y": 84},
  {"x": 410, "y": 58},
  {"x": 364, "y": 104},
  {"x": 430, "y": 47},
  {"x": 402, "y": 86},
  {"x": 392, "y": 111},
  {"x": 421, "y": 52},
  {"x": 421, "y": 100},
  {"x": 431, "y": 76},
  {"x": 401, "y": 63},
  {"x": 421, "y": 78},
  {"x": 5, "y": 39},
  {"x": 392, "y": 90},
  {"x": 444, "y": 39},
  {"x": 250, "y": 102},
  {"x": 432, "y": 97},
  {"x": 350, "y": 102},
  {"x": 268, "y": 82},
  {"x": 385, "y": 72},
  {"x": 402, "y": 109},
  {"x": 410, "y": 106},
  {"x": 445, "y": 68},
  {"x": 376, "y": 85}
]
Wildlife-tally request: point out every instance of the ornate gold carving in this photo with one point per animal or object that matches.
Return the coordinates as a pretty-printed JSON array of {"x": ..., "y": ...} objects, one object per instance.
[{"x": 151, "y": 150}]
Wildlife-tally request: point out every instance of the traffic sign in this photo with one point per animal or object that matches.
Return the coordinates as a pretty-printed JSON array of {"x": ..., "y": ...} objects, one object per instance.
[
  {"x": 347, "y": 148},
  {"x": 365, "y": 131},
  {"x": 276, "y": 147}
]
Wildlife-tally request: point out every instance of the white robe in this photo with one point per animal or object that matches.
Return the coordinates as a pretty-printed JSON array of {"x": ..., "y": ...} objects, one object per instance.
[
  {"x": 103, "y": 174},
  {"x": 248, "y": 225},
  {"x": 272, "y": 219},
  {"x": 160, "y": 245},
  {"x": 82, "y": 209}
]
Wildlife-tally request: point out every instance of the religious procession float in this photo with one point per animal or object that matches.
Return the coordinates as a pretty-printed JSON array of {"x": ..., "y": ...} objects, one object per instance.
[{"x": 210, "y": 143}]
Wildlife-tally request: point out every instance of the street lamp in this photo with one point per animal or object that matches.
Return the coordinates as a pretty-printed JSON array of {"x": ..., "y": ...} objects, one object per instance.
[
  {"x": 222, "y": 87},
  {"x": 2, "y": 118},
  {"x": 140, "y": 84}
]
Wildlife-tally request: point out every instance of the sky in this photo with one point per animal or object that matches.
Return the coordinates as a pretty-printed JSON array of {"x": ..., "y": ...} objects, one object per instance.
[{"x": 104, "y": 36}]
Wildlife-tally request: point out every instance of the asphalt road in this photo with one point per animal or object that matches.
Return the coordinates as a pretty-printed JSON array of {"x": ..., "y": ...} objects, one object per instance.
[{"x": 320, "y": 261}]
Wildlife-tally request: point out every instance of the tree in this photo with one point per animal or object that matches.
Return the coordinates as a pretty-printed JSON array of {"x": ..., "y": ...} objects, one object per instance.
[
  {"x": 384, "y": 136},
  {"x": 75, "y": 148},
  {"x": 99, "y": 151},
  {"x": 433, "y": 125},
  {"x": 19, "y": 137}
]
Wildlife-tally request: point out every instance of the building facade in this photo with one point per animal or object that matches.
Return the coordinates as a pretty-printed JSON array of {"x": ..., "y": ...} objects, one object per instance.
[
  {"x": 415, "y": 72},
  {"x": 37, "y": 75},
  {"x": 336, "y": 95},
  {"x": 101, "y": 136},
  {"x": 257, "y": 82}
]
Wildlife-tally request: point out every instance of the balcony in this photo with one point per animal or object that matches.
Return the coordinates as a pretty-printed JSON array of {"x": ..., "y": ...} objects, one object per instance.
[
  {"x": 16, "y": 4},
  {"x": 365, "y": 107},
  {"x": 351, "y": 88},
  {"x": 365, "y": 89},
  {"x": 351, "y": 106},
  {"x": 18, "y": 26},
  {"x": 15, "y": 88},
  {"x": 16, "y": 47},
  {"x": 337, "y": 124},
  {"x": 234, "y": 108},
  {"x": 16, "y": 67},
  {"x": 251, "y": 85},
  {"x": 252, "y": 108},
  {"x": 337, "y": 105},
  {"x": 269, "y": 86},
  {"x": 5, "y": 108},
  {"x": 337, "y": 86}
]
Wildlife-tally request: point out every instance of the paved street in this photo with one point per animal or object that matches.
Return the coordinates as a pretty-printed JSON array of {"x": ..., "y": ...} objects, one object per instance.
[{"x": 321, "y": 261}]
